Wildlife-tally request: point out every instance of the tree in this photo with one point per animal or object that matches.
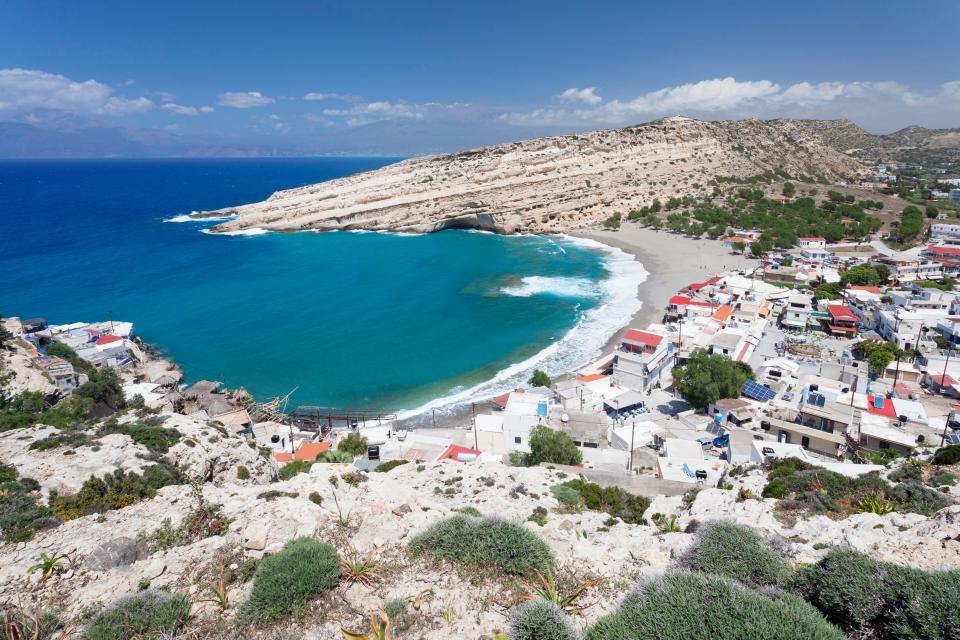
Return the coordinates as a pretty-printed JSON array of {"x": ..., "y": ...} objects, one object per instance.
[
  {"x": 613, "y": 222},
  {"x": 789, "y": 189},
  {"x": 911, "y": 223},
  {"x": 549, "y": 445},
  {"x": 864, "y": 274},
  {"x": 354, "y": 444},
  {"x": 539, "y": 379},
  {"x": 707, "y": 378},
  {"x": 828, "y": 291},
  {"x": 932, "y": 212},
  {"x": 739, "y": 247}
]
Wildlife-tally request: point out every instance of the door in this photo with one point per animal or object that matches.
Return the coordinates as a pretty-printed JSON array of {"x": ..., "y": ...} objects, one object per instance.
[{"x": 805, "y": 442}]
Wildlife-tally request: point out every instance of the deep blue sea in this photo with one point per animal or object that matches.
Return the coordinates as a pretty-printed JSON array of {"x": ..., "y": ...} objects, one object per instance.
[{"x": 350, "y": 319}]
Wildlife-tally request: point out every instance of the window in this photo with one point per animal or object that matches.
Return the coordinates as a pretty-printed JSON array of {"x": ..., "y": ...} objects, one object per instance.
[
  {"x": 591, "y": 445},
  {"x": 516, "y": 440}
]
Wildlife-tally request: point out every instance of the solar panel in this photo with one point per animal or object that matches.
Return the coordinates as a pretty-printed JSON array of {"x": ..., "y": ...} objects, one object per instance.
[
  {"x": 953, "y": 438},
  {"x": 757, "y": 391}
]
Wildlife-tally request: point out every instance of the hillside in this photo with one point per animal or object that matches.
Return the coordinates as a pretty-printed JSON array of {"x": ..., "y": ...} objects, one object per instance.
[
  {"x": 912, "y": 144},
  {"x": 551, "y": 184},
  {"x": 121, "y": 552}
]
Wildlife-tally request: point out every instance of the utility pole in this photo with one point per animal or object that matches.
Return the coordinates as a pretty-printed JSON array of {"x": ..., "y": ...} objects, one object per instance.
[
  {"x": 473, "y": 412},
  {"x": 633, "y": 432}
]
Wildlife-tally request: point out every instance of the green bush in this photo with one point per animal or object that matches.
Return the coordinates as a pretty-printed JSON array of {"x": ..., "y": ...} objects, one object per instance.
[
  {"x": 868, "y": 598},
  {"x": 390, "y": 465},
  {"x": 568, "y": 497},
  {"x": 914, "y": 497},
  {"x": 147, "y": 614},
  {"x": 303, "y": 570},
  {"x": 612, "y": 500},
  {"x": 819, "y": 490},
  {"x": 291, "y": 469},
  {"x": 157, "y": 439},
  {"x": 541, "y": 620},
  {"x": 947, "y": 455},
  {"x": 735, "y": 551},
  {"x": 114, "y": 491},
  {"x": 486, "y": 542},
  {"x": 21, "y": 513},
  {"x": 242, "y": 473},
  {"x": 8, "y": 473},
  {"x": 334, "y": 456},
  {"x": 776, "y": 488},
  {"x": 354, "y": 444},
  {"x": 548, "y": 445},
  {"x": 692, "y": 606},
  {"x": 906, "y": 472},
  {"x": 943, "y": 479}
]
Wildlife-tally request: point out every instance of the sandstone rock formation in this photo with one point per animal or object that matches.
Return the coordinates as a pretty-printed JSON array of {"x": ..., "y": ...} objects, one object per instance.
[{"x": 549, "y": 184}]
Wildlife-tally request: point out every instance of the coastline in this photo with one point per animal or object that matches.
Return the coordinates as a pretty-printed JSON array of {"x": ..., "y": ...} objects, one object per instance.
[{"x": 671, "y": 262}]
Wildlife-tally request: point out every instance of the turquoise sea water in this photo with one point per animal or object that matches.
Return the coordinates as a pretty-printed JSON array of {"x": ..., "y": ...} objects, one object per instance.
[{"x": 351, "y": 319}]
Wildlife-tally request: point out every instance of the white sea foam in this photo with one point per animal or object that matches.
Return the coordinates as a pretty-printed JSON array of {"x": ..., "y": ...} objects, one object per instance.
[
  {"x": 580, "y": 345},
  {"x": 556, "y": 286},
  {"x": 186, "y": 217},
  {"x": 243, "y": 232}
]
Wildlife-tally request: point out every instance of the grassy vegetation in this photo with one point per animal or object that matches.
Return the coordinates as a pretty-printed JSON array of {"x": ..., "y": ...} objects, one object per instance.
[
  {"x": 612, "y": 500},
  {"x": 291, "y": 469},
  {"x": 114, "y": 491},
  {"x": 867, "y": 598},
  {"x": 154, "y": 437},
  {"x": 735, "y": 551},
  {"x": 21, "y": 513},
  {"x": 355, "y": 445},
  {"x": 390, "y": 465},
  {"x": 485, "y": 542},
  {"x": 147, "y": 614},
  {"x": 811, "y": 489},
  {"x": 284, "y": 582},
  {"x": 541, "y": 620},
  {"x": 696, "y": 606},
  {"x": 947, "y": 455}
]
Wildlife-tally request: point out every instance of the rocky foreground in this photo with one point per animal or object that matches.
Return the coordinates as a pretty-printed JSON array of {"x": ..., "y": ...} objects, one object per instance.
[
  {"x": 553, "y": 184},
  {"x": 122, "y": 551}
]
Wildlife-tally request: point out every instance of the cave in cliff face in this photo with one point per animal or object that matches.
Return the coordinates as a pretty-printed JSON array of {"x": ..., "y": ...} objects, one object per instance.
[{"x": 479, "y": 221}]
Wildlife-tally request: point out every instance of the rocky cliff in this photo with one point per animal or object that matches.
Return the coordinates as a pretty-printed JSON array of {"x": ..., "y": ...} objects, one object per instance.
[{"x": 549, "y": 184}]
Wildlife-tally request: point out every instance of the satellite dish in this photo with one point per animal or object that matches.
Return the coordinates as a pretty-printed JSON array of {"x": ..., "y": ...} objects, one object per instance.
[{"x": 564, "y": 418}]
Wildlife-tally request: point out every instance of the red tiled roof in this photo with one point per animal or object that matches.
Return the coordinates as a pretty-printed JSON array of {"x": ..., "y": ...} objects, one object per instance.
[
  {"x": 280, "y": 456},
  {"x": 887, "y": 410},
  {"x": 643, "y": 337},
  {"x": 501, "y": 400},
  {"x": 713, "y": 280},
  {"x": 722, "y": 313},
  {"x": 108, "y": 339},
  {"x": 679, "y": 300},
  {"x": 947, "y": 251},
  {"x": 310, "y": 450},
  {"x": 840, "y": 312},
  {"x": 592, "y": 377},
  {"x": 864, "y": 288},
  {"x": 454, "y": 452}
]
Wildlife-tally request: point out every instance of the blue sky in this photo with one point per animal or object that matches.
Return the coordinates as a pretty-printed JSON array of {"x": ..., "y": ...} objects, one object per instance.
[{"x": 410, "y": 77}]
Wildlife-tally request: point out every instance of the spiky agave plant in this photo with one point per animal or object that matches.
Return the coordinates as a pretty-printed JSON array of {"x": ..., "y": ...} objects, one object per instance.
[
  {"x": 48, "y": 565},
  {"x": 563, "y": 592}
]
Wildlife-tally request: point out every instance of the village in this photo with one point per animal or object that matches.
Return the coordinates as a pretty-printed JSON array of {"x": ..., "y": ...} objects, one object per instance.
[{"x": 846, "y": 381}]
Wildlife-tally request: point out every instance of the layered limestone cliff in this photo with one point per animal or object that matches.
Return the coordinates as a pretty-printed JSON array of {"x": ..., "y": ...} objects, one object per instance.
[{"x": 550, "y": 184}]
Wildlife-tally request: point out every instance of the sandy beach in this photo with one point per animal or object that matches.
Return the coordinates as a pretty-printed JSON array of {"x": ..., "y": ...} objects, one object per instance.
[{"x": 673, "y": 261}]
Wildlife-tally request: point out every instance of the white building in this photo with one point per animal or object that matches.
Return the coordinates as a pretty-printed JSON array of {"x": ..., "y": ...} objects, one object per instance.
[
  {"x": 643, "y": 361},
  {"x": 797, "y": 312},
  {"x": 815, "y": 242}
]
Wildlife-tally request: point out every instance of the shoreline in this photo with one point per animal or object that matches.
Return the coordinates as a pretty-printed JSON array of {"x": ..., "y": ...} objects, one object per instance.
[{"x": 671, "y": 262}]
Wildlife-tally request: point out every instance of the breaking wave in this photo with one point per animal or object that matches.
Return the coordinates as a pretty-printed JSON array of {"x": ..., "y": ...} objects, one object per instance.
[{"x": 581, "y": 344}]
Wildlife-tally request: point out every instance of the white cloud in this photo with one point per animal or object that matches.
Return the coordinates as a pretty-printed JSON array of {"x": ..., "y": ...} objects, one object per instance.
[
  {"x": 244, "y": 99},
  {"x": 368, "y": 112},
  {"x": 734, "y": 98},
  {"x": 24, "y": 90},
  {"x": 206, "y": 109},
  {"x": 315, "y": 96},
  {"x": 180, "y": 109},
  {"x": 587, "y": 96}
]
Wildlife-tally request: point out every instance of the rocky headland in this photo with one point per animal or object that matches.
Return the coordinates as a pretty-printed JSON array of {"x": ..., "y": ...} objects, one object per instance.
[{"x": 551, "y": 185}]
